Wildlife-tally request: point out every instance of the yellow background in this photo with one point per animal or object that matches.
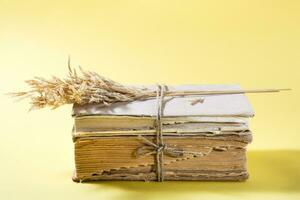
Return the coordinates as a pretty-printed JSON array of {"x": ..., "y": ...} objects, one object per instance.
[{"x": 253, "y": 43}]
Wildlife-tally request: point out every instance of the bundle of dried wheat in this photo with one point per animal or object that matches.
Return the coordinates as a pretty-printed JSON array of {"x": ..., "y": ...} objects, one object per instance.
[{"x": 89, "y": 87}]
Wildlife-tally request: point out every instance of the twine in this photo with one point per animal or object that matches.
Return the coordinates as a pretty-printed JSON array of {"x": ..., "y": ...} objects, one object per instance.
[{"x": 160, "y": 148}]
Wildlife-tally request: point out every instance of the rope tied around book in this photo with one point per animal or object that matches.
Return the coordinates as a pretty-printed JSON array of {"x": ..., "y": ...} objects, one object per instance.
[{"x": 160, "y": 147}]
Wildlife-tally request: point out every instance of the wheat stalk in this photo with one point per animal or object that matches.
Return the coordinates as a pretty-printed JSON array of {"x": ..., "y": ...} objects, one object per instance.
[{"x": 89, "y": 87}]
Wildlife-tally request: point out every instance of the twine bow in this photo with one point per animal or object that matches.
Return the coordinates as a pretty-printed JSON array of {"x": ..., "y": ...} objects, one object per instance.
[{"x": 151, "y": 148}]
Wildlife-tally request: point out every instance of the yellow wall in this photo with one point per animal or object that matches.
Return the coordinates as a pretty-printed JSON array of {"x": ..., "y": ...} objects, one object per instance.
[{"x": 253, "y": 43}]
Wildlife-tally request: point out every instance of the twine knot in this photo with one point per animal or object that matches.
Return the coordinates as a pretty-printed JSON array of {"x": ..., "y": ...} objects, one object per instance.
[{"x": 161, "y": 148}]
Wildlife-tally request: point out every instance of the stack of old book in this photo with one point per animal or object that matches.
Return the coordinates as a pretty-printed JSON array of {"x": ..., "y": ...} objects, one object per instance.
[{"x": 212, "y": 133}]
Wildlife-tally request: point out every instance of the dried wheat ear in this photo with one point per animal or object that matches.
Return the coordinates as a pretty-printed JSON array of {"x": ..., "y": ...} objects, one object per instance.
[{"x": 80, "y": 88}]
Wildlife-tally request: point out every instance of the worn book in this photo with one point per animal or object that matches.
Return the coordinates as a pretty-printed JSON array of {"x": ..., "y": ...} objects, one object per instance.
[{"x": 203, "y": 137}]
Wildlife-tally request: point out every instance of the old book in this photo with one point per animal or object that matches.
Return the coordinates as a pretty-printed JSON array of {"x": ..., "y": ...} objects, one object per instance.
[{"x": 204, "y": 141}]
